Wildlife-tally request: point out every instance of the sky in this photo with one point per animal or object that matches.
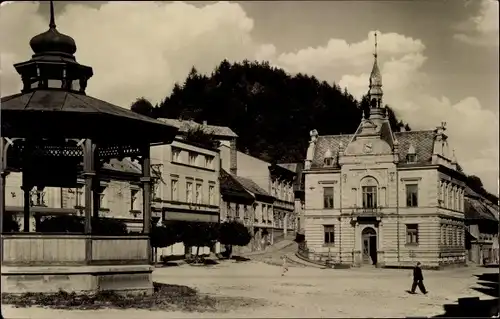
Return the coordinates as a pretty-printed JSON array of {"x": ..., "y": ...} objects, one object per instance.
[{"x": 439, "y": 59}]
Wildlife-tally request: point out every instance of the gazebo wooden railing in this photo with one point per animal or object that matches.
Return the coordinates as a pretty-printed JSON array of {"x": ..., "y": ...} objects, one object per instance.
[{"x": 37, "y": 249}]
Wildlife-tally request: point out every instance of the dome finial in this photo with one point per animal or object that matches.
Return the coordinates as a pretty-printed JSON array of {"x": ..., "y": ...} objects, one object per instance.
[
  {"x": 375, "y": 53},
  {"x": 52, "y": 23}
]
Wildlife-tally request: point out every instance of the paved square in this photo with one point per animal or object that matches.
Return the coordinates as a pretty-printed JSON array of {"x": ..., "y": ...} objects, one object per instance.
[{"x": 302, "y": 292}]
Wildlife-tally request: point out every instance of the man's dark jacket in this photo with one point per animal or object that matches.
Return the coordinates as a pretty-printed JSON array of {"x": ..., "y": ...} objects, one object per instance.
[{"x": 417, "y": 274}]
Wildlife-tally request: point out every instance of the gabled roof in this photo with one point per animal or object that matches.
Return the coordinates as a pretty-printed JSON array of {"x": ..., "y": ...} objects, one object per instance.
[
  {"x": 230, "y": 186},
  {"x": 476, "y": 209},
  {"x": 422, "y": 141},
  {"x": 252, "y": 187},
  {"x": 184, "y": 126}
]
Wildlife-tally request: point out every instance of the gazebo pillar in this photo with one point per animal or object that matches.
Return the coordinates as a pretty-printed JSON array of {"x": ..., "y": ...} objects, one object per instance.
[
  {"x": 96, "y": 183},
  {"x": 26, "y": 187},
  {"x": 2, "y": 183},
  {"x": 88, "y": 175},
  {"x": 146, "y": 189}
]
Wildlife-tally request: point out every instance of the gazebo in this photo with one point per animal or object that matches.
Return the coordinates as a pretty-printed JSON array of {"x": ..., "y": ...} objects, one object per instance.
[{"x": 53, "y": 132}]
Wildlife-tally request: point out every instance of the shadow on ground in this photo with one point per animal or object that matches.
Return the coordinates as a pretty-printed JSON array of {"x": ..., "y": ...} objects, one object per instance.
[
  {"x": 166, "y": 297},
  {"x": 487, "y": 284},
  {"x": 240, "y": 258}
]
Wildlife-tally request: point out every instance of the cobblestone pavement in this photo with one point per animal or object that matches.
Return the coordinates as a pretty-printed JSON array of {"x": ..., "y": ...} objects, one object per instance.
[{"x": 302, "y": 292}]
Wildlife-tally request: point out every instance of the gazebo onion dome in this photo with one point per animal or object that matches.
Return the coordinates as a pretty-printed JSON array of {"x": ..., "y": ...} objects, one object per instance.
[{"x": 52, "y": 41}]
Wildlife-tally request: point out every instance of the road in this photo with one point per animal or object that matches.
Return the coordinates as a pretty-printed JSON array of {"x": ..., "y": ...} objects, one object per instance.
[{"x": 302, "y": 292}]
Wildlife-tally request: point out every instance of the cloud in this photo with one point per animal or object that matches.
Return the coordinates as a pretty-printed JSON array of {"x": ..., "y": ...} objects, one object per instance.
[
  {"x": 143, "y": 48},
  {"x": 472, "y": 129},
  {"x": 482, "y": 28},
  {"x": 135, "y": 48}
]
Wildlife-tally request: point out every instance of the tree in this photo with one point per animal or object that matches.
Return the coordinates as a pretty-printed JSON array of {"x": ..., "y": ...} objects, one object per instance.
[
  {"x": 164, "y": 236},
  {"x": 202, "y": 136},
  {"x": 143, "y": 106},
  {"x": 271, "y": 111},
  {"x": 233, "y": 233},
  {"x": 199, "y": 234}
]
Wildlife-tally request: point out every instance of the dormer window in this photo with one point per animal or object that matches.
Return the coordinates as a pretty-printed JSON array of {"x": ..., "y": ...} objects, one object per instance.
[
  {"x": 411, "y": 157},
  {"x": 328, "y": 161},
  {"x": 328, "y": 158}
]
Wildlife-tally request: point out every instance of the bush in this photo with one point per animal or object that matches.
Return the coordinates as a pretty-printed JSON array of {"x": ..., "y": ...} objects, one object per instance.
[
  {"x": 76, "y": 224},
  {"x": 199, "y": 234},
  {"x": 300, "y": 238},
  {"x": 10, "y": 224},
  {"x": 233, "y": 233}
]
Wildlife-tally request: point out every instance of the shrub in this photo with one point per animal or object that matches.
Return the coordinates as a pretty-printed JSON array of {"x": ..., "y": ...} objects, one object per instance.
[{"x": 10, "y": 224}]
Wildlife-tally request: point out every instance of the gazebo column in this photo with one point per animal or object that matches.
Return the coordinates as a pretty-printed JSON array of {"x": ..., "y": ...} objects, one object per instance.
[
  {"x": 96, "y": 183},
  {"x": 26, "y": 187},
  {"x": 88, "y": 175},
  {"x": 3, "y": 165},
  {"x": 146, "y": 189}
]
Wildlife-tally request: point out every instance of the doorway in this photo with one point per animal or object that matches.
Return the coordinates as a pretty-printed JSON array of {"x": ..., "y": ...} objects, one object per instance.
[{"x": 369, "y": 245}]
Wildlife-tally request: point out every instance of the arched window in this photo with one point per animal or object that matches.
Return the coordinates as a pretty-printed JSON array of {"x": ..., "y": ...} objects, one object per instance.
[{"x": 369, "y": 191}]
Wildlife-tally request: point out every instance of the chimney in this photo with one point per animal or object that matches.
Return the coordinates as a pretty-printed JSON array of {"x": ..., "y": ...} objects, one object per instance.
[{"x": 233, "y": 157}]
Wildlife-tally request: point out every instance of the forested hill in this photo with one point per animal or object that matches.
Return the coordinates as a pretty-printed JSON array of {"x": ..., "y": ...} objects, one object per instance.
[{"x": 271, "y": 111}]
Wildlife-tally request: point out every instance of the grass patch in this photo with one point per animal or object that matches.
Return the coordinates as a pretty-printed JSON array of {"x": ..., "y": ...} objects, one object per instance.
[{"x": 165, "y": 297}]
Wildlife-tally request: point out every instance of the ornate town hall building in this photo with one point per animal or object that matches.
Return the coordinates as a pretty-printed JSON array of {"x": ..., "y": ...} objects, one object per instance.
[{"x": 382, "y": 197}]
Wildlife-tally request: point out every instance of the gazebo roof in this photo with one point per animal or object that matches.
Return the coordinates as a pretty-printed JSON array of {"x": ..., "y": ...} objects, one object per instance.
[
  {"x": 55, "y": 113},
  {"x": 53, "y": 102}
]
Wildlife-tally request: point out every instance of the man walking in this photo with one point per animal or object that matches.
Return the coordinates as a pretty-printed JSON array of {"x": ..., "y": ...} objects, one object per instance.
[
  {"x": 285, "y": 266},
  {"x": 418, "y": 280}
]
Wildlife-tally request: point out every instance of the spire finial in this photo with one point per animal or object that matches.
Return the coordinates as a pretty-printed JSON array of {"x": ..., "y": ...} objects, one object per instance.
[
  {"x": 52, "y": 23},
  {"x": 375, "y": 54}
]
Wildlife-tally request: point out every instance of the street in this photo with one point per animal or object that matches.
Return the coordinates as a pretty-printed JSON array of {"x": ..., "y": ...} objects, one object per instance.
[{"x": 302, "y": 292}]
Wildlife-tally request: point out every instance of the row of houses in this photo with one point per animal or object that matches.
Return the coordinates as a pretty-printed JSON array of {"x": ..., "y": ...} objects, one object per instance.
[{"x": 192, "y": 182}]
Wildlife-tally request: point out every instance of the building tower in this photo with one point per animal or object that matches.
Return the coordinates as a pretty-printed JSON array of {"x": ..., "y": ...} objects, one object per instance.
[{"x": 375, "y": 93}]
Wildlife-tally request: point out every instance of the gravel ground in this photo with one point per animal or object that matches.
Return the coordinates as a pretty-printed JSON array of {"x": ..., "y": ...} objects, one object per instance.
[{"x": 302, "y": 292}]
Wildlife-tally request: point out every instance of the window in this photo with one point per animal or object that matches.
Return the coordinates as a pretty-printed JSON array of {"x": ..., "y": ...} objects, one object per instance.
[
  {"x": 455, "y": 236},
  {"x": 176, "y": 155},
  {"x": 328, "y": 197},
  {"x": 450, "y": 197},
  {"x": 211, "y": 195},
  {"x": 192, "y": 158},
  {"x": 449, "y": 235},
  {"x": 173, "y": 189},
  {"x": 228, "y": 210},
  {"x": 328, "y": 161},
  {"x": 443, "y": 235},
  {"x": 329, "y": 231},
  {"x": 199, "y": 195},
  {"x": 369, "y": 196},
  {"x": 189, "y": 192},
  {"x": 78, "y": 197},
  {"x": 411, "y": 158},
  {"x": 133, "y": 198},
  {"x": 237, "y": 211},
  {"x": 412, "y": 195},
  {"x": 209, "y": 161},
  {"x": 412, "y": 234}
]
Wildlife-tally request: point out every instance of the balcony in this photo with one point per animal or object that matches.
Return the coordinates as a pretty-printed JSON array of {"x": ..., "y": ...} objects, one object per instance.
[{"x": 367, "y": 212}]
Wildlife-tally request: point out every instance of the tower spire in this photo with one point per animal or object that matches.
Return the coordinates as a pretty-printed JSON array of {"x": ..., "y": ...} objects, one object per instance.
[
  {"x": 375, "y": 93},
  {"x": 52, "y": 23}
]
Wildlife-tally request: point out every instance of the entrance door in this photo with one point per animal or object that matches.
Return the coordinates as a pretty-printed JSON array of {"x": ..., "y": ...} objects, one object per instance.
[{"x": 369, "y": 244}]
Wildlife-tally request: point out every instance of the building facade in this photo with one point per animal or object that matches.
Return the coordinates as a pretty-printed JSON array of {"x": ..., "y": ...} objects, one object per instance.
[
  {"x": 120, "y": 196},
  {"x": 385, "y": 198},
  {"x": 187, "y": 185},
  {"x": 481, "y": 229}
]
